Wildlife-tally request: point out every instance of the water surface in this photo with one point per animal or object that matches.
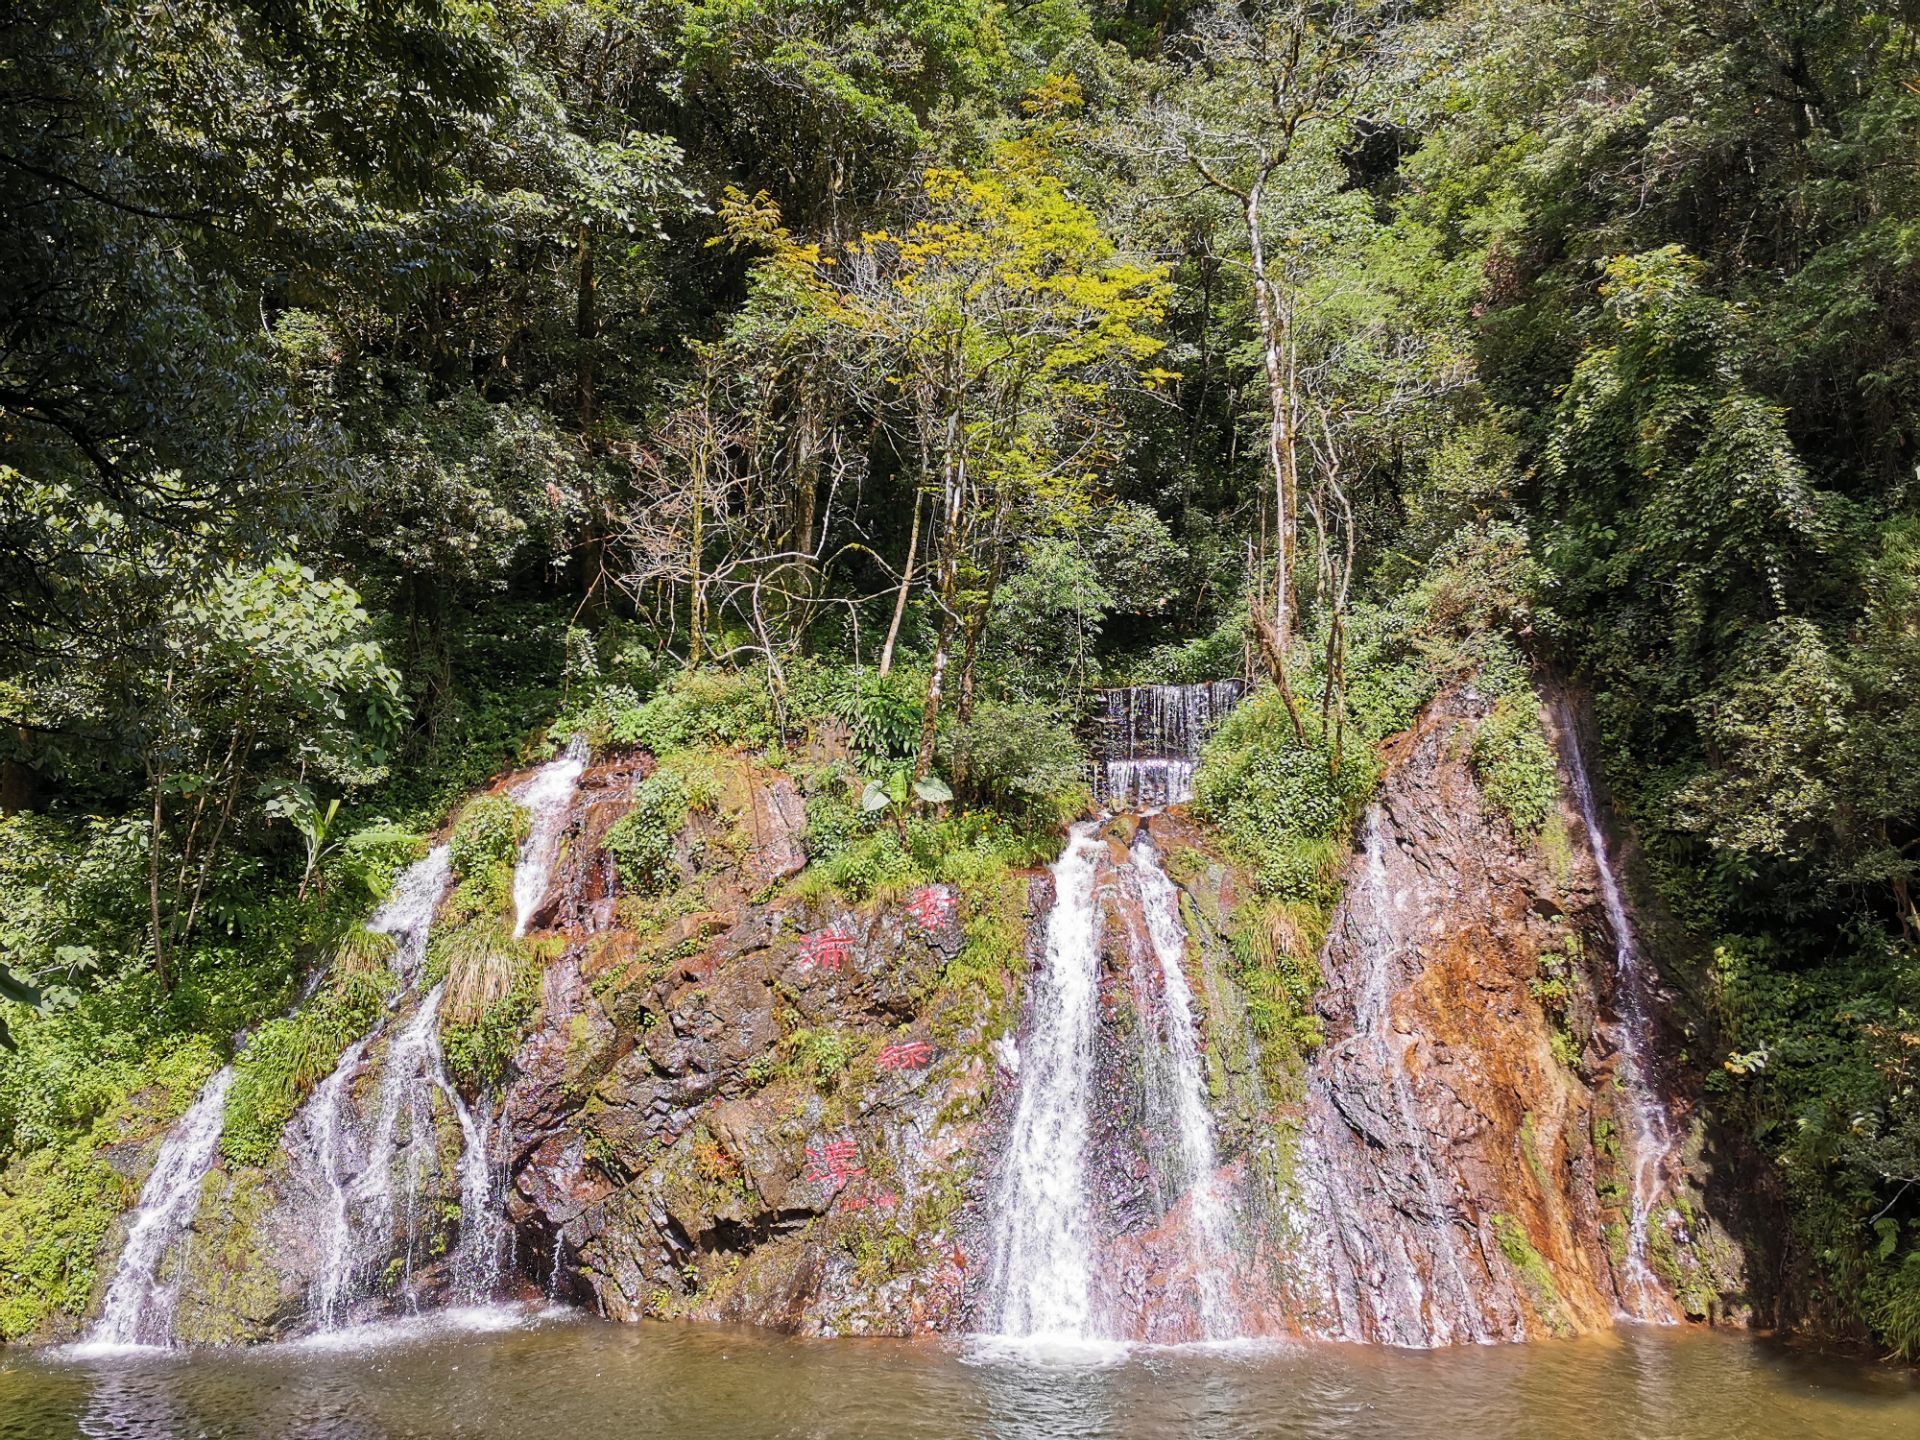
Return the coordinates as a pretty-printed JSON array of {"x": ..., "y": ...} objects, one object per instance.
[{"x": 496, "y": 1374}]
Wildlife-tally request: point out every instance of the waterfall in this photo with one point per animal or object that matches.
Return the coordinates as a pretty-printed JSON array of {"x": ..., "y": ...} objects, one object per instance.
[
  {"x": 1055, "y": 1268},
  {"x": 548, "y": 797},
  {"x": 375, "y": 1168},
  {"x": 139, "y": 1305},
  {"x": 1150, "y": 737},
  {"x": 1209, "y": 1223},
  {"x": 1042, "y": 1261},
  {"x": 1419, "y": 1319},
  {"x": 325, "y": 1117},
  {"x": 1652, "y": 1139}
]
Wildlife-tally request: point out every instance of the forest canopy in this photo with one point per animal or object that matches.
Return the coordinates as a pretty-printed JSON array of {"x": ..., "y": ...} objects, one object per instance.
[{"x": 389, "y": 390}]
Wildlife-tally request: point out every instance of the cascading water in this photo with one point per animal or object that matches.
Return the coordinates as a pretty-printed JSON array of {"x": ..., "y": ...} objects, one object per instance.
[
  {"x": 355, "y": 1170},
  {"x": 1209, "y": 1224},
  {"x": 325, "y": 1120},
  {"x": 547, "y": 797},
  {"x": 1048, "y": 1276},
  {"x": 377, "y": 1169},
  {"x": 1652, "y": 1140},
  {"x": 1042, "y": 1258},
  {"x": 1150, "y": 738},
  {"x": 140, "y": 1303}
]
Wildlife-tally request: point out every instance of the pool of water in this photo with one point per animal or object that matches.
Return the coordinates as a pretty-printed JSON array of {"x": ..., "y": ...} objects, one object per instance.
[{"x": 541, "y": 1376}]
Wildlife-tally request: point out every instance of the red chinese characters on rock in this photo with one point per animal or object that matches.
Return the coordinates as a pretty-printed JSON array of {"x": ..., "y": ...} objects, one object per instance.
[
  {"x": 871, "y": 1198},
  {"x": 833, "y": 1162},
  {"x": 825, "y": 950},
  {"x": 909, "y": 1055},
  {"x": 931, "y": 905}
]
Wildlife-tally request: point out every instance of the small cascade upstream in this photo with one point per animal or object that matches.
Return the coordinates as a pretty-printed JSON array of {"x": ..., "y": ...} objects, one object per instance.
[
  {"x": 1149, "y": 739},
  {"x": 1054, "y": 1275},
  {"x": 547, "y": 797},
  {"x": 140, "y": 1302},
  {"x": 1652, "y": 1141}
]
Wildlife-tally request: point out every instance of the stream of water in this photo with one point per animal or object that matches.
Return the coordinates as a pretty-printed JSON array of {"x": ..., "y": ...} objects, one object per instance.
[
  {"x": 140, "y": 1301},
  {"x": 1042, "y": 1257},
  {"x": 1651, "y": 1143},
  {"x": 493, "y": 1375}
]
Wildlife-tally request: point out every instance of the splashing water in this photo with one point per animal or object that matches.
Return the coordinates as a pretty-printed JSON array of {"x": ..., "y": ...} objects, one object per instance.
[
  {"x": 1042, "y": 1268},
  {"x": 377, "y": 1170},
  {"x": 548, "y": 796},
  {"x": 408, "y": 912},
  {"x": 1653, "y": 1144},
  {"x": 1210, "y": 1226},
  {"x": 139, "y": 1306},
  {"x": 1146, "y": 784},
  {"x": 326, "y": 1121}
]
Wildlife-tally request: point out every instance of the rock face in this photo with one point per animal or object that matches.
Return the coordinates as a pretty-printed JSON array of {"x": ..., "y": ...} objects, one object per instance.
[
  {"x": 1463, "y": 1150},
  {"x": 746, "y": 1111}
]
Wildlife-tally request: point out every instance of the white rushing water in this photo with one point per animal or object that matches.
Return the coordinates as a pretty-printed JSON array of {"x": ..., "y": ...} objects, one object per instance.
[
  {"x": 1209, "y": 1223},
  {"x": 1416, "y": 1319},
  {"x": 1652, "y": 1139},
  {"x": 326, "y": 1120},
  {"x": 548, "y": 797},
  {"x": 407, "y": 914},
  {"x": 1042, "y": 1268},
  {"x": 139, "y": 1305},
  {"x": 354, "y": 1161},
  {"x": 1146, "y": 784},
  {"x": 379, "y": 1170}
]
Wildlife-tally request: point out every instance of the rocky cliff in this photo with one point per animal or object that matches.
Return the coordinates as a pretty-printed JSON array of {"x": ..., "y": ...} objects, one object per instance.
[{"x": 743, "y": 1096}]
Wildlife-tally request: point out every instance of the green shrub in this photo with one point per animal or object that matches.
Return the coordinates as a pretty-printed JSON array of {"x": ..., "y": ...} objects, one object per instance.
[
  {"x": 1283, "y": 806},
  {"x": 489, "y": 833},
  {"x": 478, "y": 1051},
  {"x": 817, "y": 1057},
  {"x": 643, "y": 842},
  {"x": 720, "y": 708},
  {"x": 882, "y": 713},
  {"x": 1514, "y": 763},
  {"x": 1025, "y": 757},
  {"x": 286, "y": 1058}
]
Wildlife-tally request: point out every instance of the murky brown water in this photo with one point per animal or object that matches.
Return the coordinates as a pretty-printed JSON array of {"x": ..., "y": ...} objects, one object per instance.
[{"x": 581, "y": 1380}]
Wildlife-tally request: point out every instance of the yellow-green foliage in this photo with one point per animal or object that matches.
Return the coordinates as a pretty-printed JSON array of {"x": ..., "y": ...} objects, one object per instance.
[
  {"x": 1532, "y": 1271},
  {"x": 1275, "y": 945},
  {"x": 492, "y": 977},
  {"x": 817, "y": 1057}
]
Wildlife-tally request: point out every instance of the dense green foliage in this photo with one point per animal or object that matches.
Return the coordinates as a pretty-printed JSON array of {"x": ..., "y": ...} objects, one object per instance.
[{"x": 388, "y": 391}]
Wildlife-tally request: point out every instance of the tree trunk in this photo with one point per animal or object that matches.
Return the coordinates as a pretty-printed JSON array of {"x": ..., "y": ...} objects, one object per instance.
[
  {"x": 584, "y": 328},
  {"x": 158, "y": 783},
  {"x": 953, "y": 487},
  {"x": 906, "y": 583},
  {"x": 1276, "y": 351}
]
